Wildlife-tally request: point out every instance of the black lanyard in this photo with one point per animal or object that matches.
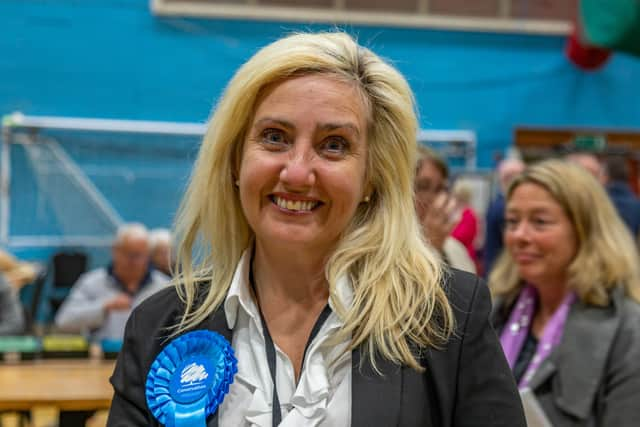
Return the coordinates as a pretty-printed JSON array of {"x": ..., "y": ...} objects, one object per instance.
[{"x": 276, "y": 413}]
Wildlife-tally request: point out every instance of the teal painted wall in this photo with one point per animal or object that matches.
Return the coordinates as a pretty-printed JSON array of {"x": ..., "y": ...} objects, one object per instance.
[{"x": 113, "y": 59}]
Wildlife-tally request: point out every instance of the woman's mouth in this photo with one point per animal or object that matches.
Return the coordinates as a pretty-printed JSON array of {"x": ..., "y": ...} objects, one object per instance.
[{"x": 295, "y": 205}]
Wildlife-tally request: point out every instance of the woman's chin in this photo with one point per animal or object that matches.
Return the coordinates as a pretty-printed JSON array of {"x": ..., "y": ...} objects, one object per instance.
[{"x": 294, "y": 240}]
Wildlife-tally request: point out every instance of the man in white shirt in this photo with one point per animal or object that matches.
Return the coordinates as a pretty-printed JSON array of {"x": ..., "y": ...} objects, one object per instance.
[{"x": 102, "y": 299}]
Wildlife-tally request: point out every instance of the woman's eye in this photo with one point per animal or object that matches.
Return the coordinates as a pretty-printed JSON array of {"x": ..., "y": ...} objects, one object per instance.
[
  {"x": 540, "y": 221},
  {"x": 273, "y": 137},
  {"x": 510, "y": 222},
  {"x": 335, "y": 146}
]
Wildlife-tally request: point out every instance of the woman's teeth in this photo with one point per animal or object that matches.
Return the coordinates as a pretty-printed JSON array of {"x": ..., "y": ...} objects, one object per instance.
[{"x": 295, "y": 205}]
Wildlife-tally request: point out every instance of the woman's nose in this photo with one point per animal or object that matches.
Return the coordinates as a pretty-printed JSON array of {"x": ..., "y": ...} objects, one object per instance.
[
  {"x": 521, "y": 231},
  {"x": 298, "y": 172}
]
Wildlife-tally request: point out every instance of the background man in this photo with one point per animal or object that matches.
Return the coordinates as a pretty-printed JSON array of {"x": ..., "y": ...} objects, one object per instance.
[
  {"x": 101, "y": 300},
  {"x": 507, "y": 170},
  {"x": 615, "y": 173}
]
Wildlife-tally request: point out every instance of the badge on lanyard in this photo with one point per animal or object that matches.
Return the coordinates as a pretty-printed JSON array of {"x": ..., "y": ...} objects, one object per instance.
[{"x": 189, "y": 379}]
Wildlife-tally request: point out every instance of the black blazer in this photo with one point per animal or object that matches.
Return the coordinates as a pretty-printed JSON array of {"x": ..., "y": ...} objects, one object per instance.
[{"x": 466, "y": 383}]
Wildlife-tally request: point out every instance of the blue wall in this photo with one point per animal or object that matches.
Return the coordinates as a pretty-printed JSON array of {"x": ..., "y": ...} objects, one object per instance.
[{"x": 113, "y": 59}]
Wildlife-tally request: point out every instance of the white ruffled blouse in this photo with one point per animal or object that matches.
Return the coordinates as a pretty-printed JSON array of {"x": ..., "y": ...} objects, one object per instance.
[{"x": 322, "y": 396}]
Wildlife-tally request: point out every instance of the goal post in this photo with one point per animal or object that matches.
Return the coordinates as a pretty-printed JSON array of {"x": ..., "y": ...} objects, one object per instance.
[{"x": 72, "y": 181}]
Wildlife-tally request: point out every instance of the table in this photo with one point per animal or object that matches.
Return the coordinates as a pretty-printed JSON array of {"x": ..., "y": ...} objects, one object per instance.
[{"x": 67, "y": 385}]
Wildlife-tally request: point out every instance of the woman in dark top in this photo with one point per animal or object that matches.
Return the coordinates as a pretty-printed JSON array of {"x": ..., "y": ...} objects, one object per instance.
[
  {"x": 566, "y": 289},
  {"x": 310, "y": 265}
]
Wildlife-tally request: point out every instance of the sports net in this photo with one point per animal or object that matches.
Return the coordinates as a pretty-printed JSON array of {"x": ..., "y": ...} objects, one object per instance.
[{"x": 76, "y": 186}]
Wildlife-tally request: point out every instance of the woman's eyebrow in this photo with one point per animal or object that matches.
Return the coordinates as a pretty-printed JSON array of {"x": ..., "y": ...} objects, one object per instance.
[
  {"x": 333, "y": 126},
  {"x": 325, "y": 127},
  {"x": 535, "y": 210},
  {"x": 284, "y": 123}
]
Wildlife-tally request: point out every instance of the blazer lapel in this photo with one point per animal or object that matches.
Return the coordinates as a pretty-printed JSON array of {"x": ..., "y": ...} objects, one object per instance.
[
  {"x": 217, "y": 322},
  {"x": 375, "y": 398},
  {"x": 579, "y": 372},
  {"x": 592, "y": 328},
  {"x": 545, "y": 370}
]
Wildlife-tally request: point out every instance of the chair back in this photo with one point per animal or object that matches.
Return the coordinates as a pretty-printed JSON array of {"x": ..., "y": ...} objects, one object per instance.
[
  {"x": 67, "y": 267},
  {"x": 32, "y": 309}
]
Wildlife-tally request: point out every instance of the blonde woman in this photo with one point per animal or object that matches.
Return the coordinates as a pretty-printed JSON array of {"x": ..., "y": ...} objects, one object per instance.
[
  {"x": 567, "y": 292},
  {"x": 299, "y": 245}
]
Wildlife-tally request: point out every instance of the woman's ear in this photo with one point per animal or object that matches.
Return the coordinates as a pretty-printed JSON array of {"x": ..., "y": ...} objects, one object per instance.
[{"x": 368, "y": 193}]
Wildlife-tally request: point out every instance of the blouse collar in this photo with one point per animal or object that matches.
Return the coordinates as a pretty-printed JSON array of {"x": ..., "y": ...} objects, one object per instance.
[{"x": 239, "y": 295}]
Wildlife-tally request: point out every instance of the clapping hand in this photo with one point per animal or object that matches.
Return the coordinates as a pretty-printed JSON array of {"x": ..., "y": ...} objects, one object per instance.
[{"x": 439, "y": 218}]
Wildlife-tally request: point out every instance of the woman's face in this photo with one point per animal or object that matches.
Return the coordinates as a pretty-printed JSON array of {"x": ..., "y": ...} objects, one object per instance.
[
  {"x": 302, "y": 173},
  {"x": 539, "y": 235},
  {"x": 428, "y": 183}
]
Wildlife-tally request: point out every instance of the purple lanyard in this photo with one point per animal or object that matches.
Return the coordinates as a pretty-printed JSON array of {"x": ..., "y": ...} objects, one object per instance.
[{"x": 516, "y": 330}]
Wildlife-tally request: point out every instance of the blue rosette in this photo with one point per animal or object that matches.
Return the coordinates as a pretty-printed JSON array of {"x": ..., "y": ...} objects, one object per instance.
[{"x": 189, "y": 379}]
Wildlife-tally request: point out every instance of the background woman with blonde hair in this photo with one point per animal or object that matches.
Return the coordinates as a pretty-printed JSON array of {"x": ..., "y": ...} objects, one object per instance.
[
  {"x": 298, "y": 244},
  {"x": 567, "y": 292}
]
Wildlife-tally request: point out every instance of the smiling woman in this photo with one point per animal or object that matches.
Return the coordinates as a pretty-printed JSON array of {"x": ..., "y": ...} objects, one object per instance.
[
  {"x": 310, "y": 261},
  {"x": 567, "y": 281},
  {"x": 302, "y": 175}
]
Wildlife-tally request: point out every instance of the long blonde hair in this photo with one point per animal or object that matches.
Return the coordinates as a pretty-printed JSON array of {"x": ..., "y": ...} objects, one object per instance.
[
  {"x": 606, "y": 257},
  {"x": 397, "y": 280}
]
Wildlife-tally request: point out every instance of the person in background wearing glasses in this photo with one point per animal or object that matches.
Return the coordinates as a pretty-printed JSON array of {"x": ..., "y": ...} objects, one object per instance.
[
  {"x": 102, "y": 299},
  {"x": 437, "y": 210}
]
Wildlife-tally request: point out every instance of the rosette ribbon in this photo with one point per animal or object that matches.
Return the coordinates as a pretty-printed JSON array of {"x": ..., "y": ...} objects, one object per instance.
[{"x": 189, "y": 379}]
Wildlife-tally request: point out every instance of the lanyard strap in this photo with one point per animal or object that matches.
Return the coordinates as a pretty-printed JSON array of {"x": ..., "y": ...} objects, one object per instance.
[
  {"x": 276, "y": 413},
  {"x": 517, "y": 328},
  {"x": 550, "y": 339}
]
